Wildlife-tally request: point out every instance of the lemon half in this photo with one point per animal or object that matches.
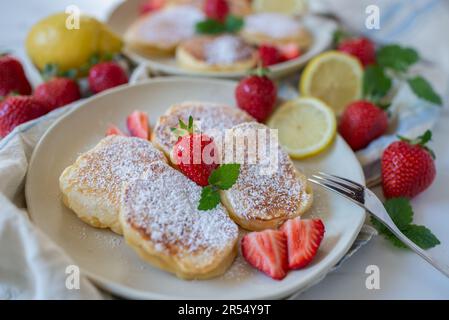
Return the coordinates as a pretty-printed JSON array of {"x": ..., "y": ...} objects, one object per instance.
[
  {"x": 306, "y": 126},
  {"x": 333, "y": 77},
  {"x": 288, "y": 7}
]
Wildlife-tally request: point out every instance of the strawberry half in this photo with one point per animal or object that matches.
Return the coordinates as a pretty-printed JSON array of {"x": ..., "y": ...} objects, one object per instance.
[
  {"x": 267, "y": 252},
  {"x": 303, "y": 240},
  {"x": 137, "y": 123},
  {"x": 113, "y": 130},
  {"x": 289, "y": 52}
]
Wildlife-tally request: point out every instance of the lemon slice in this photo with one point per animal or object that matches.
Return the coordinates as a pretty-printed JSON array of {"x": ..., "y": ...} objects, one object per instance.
[
  {"x": 306, "y": 126},
  {"x": 288, "y": 7},
  {"x": 333, "y": 77}
]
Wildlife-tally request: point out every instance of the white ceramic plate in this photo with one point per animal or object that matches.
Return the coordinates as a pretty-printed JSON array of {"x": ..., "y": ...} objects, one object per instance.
[
  {"x": 103, "y": 255},
  {"x": 121, "y": 17}
]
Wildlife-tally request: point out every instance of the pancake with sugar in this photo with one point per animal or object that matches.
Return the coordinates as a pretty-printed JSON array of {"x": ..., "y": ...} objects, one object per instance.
[
  {"x": 91, "y": 187},
  {"x": 162, "y": 224}
]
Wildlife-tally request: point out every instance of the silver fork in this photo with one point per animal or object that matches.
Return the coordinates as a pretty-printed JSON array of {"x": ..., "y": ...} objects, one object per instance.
[{"x": 366, "y": 199}]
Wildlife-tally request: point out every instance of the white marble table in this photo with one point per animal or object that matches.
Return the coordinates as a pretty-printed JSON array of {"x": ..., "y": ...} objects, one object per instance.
[{"x": 403, "y": 275}]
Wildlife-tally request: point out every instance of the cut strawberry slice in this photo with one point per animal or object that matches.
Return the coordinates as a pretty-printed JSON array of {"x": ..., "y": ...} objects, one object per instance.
[
  {"x": 266, "y": 251},
  {"x": 114, "y": 130},
  {"x": 137, "y": 123},
  {"x": 289, "y": 52},
  {"x": 303, "y": 240}
]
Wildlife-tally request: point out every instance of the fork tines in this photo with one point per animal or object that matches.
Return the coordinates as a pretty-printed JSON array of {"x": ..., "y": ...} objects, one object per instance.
[{"x": 346, "y": 187}]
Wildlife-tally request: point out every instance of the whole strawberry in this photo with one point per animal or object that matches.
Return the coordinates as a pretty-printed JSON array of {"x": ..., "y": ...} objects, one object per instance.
[
  {"x": 195, "y": 154},
  {"x": 269, "y": 55},
  {"x": 408, "y": 167},
  {"x": 216, "y": 9},
  {"x": 57, "y": 92},
  {"x": 12, "y": 77},
  {"x": 361, "y": 123},
  {"x": 151, "y": 5},
  {"x": 15, "y": 110},
  {"x": 106, "y": 75},
  {"x": 361, "y": 48},
  {"x": 257, "y": 95}
]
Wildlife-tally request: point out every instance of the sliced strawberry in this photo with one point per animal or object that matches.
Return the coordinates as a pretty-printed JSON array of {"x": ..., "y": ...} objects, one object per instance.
[
  {"x": 137, "y": 123},
  {"x": 266, "y": 251},
  {"x": 303, "y": 240},
  {"x": 114, "y": 130},
  {"x": 289, "y": 52}
]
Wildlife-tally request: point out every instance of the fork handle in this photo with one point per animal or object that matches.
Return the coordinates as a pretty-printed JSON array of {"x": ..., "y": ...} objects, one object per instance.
[{"x": 443, "y": 268}]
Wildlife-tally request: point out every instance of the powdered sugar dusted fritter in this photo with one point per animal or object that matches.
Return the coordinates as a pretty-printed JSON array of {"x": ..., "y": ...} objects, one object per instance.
[
  {"x": 265, "y": 194},
  {"x": 213, "y": 119},
  {"x": 91, "y": 187},
  {"x": 161, "y": 222}
]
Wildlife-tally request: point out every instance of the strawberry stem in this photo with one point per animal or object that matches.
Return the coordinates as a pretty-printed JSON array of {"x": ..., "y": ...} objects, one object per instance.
[{"x": 421, "y": 141}]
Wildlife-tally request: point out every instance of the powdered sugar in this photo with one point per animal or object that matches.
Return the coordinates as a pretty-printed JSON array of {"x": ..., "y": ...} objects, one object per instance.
[
  {"x": 163, "y": 206},
  {"x": 266, "y": 196},
  {"x": 171, "y": 25},
  {"x": 212, "y": 119},
  {"x": 114, "y": 160},
  {"x": 272, "y": 24},
  {"x": 227, "y": 49}
]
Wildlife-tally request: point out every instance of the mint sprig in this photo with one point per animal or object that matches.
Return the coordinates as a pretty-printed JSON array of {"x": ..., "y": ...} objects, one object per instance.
[
  {"x": 222, "y": 178},
  {"x": 394, "y": 61},
  {"x": 232, "y": 24},
  {"x": 401, "y": 213}
]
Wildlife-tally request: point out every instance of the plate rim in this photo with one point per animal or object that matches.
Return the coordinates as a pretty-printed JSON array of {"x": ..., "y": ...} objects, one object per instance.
[{"x": 126, "y": 291}]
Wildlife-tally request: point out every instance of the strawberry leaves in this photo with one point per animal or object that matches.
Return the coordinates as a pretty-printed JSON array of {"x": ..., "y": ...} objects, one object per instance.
[
  {"x": 401, "y": 213},
  {"x": 222, "y": 178},
  {"x": 422, "y": 141}
]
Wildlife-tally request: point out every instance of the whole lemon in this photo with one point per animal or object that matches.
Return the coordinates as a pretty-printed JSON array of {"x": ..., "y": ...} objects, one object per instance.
[{"x": 50, "y": 41}]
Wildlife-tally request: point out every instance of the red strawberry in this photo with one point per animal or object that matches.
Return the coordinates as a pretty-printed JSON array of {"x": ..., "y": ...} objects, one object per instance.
[
  {"x": 289, "y": 52},
  {"x": 15, "y": 110},
  {"x": 216, "y": 9},
  {"x": 12, "y": 77},
  {"x": 361, "y": 123},
  {"x": 361, "y": 48},
  {"x": 195, "y": 154},
  {"x": 137, "y": 123},
  {"x": 106, "y": 75},
  {"x": 269, "y": 55},
  {"x": 57, "y": 92},
  {"x": 408, "y": 167},
  {"x": 257, "y": 94},
  {"x": 151, "y": 5},
  {"x": 113, "y": 130},
  {"x": 266, "y": 251},
  {"x": 303, "y": 240}
]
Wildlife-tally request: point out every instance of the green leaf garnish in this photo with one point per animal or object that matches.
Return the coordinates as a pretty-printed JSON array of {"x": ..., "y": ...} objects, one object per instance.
[
  {"x": 232, "y": 24},
  {"x": 222, "y": 178},
  {"x": 401, "y": 213},
  {"x": 396, "y": 57},
  {"x": 210, "y": 198},
  {"x": 225, "y": 176},
  {"x": 376, "y": 83},
  {"x": 422, "y": 89}
]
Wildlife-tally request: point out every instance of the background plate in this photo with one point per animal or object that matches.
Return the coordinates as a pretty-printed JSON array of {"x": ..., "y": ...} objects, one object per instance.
[
  {"x": 121, "y": 17},
  {"x": 103, "y": 255}
]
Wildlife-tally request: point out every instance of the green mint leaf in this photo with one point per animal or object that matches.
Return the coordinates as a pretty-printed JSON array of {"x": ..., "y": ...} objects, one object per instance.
[
  {"x": 422, "y": 88},
  {"x": 225, "y": 176},
  {"x": 210, "y": 26},
  {"x": 338, "y": 36},
  {"x": 233, "y": 24},
  {"x": 376, "y": 83},
  {"x": 396, "y": 57},
  {"x": 210, "y": 198},
  {"x": 400, "y": 211},
  {"x": 421, "y": 236}
]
